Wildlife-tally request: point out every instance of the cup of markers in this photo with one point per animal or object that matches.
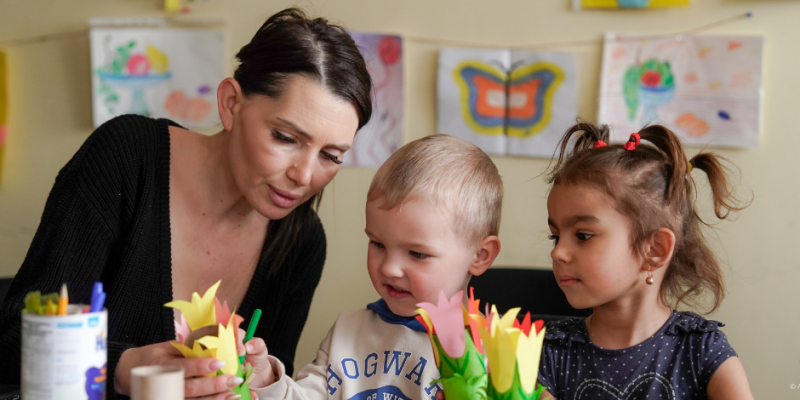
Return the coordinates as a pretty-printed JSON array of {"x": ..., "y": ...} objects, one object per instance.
[{"x": 64, "y": 347}]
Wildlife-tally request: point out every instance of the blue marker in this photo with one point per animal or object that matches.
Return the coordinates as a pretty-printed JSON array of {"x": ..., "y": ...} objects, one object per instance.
[{"x": 98, "y": 297}]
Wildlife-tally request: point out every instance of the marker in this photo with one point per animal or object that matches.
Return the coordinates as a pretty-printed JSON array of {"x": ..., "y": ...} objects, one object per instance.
[
  {"x": 101, "y": 300},
  {"x": 98, "y": 297},
  {"x": 63, "y": 300},
  {"x": 251, "y": 330},
  {"x": 48, "y": 307}
]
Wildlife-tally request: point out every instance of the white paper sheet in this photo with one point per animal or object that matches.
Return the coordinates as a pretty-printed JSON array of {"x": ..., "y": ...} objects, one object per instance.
[
  {"x": 707, "y": 89},
  {"x": 383, "y": 135},
  {"x": 159, "y": 72},
  {"x": 507, "y": 102}
]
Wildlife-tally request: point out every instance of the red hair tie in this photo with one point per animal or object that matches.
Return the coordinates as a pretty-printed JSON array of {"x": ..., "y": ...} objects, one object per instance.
[
  {"x": 598, "y": 144},
  {"x": 632, "y": 142}
]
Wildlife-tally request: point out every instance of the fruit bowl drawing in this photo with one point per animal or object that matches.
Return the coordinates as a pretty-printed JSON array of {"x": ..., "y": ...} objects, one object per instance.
[
  {"x": 137, "y": 84},
  {"x": 133, "y": 68},
  {"x": 648, "y": 85},
  {"x": 651, "y": 98}
]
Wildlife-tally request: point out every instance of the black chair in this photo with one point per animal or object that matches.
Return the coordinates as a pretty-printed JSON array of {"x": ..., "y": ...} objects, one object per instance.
[{"x": 534, "y": 290}]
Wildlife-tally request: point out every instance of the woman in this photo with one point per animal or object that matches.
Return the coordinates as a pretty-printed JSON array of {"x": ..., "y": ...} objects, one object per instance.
[{"x": 157, "y": 212}]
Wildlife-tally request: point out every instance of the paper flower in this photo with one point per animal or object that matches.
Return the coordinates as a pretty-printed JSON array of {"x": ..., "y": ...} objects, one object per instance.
[
  {"x": 529, "y": 352},
  {"x": 494, "y": 357},
  {"x": 208, "y": 328},
  {"x": 200, "y": 312},
  {"x": 476, "y": 320},
  {"x": 461, "y": 365},
  {"x": 182, "y": 329},
  {"x": 513, "y": 350},
  {"x": 197, "y": 351},
  {"x": 225, "y": 345},
  {"x": 500, "y": 345},
  {"x": 448, "y": 318}
]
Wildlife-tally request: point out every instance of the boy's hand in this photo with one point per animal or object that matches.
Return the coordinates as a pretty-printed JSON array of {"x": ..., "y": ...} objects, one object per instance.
[{"x": 258, "y": 357}]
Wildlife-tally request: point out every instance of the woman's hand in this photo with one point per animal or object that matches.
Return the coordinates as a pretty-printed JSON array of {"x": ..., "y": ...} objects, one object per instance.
[
  {"x": 196, "y": 384},
  {"x": 258, "y": 357}
]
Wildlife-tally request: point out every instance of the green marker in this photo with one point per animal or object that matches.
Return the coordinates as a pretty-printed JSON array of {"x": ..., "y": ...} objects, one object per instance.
[{"x": 251, "y": 330}]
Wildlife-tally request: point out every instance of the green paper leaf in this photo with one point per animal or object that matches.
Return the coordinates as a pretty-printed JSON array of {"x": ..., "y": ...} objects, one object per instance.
[
  {"x": 461, "y": 388},
  {"x": 248, "y": 374}
]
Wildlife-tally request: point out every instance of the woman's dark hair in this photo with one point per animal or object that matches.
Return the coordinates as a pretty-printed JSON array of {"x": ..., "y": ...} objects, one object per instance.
[
  {"x": 287, "y": 45},
  {"x": 652, "y": 186}
]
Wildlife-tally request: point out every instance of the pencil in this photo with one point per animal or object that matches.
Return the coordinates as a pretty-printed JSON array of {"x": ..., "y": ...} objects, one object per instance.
[{"x": 63, "y": 300}]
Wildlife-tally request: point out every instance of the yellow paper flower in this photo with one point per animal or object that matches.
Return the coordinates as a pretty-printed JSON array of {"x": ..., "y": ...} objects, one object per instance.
[
  {"x": 529, "y": 351},
  {"x": 225, "y": 346},
  {"x": 196, "y": 351},
  {"x": 429, "y": 325},
  {"x": 500, "y": 345},
  {"x": 200, "y": 312},
  {"x": 504, "y": 322}
]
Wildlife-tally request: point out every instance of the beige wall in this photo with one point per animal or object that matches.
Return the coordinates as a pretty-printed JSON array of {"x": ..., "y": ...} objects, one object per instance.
[{"x": 50, "y": 116}]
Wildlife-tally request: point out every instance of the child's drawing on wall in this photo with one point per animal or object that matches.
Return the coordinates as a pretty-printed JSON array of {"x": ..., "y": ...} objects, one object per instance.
[{"x": 162, "y": 73}]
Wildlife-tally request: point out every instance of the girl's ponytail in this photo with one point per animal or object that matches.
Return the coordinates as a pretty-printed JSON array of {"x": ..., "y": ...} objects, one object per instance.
[
  {"x": 721, "y": 189},
  {"x": 586, "y": 136},
  {"x": 670, "y": 145}
]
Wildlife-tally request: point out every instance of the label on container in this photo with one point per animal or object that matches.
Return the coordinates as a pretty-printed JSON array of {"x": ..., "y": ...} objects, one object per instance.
[{"x": 64, "y": 357}]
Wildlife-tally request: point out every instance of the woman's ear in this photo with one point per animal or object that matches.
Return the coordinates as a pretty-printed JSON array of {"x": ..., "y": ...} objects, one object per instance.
[
  {"x": 229, "y": 97},
  {"x": 660, "y": 247},
  {"x": 485, "y": 253}
]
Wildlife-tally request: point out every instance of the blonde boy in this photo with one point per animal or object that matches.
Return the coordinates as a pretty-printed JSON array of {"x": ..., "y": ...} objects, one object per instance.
[{"x": 433, "y": 215}]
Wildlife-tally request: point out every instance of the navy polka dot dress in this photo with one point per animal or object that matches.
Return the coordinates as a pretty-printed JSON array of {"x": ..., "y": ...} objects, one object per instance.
[{"x": 675, "y": 363}]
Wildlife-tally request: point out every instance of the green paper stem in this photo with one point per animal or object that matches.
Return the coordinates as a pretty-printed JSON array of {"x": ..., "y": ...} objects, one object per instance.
[
  {"x": 462, "y": 378},
  {"x": 515, "y": 392},
  {"x": 243, "y": 389},
  {"x": 469, "y": 365}
]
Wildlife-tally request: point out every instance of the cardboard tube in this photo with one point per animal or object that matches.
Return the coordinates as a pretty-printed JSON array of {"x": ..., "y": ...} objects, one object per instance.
[{"x": 157, "y": 383}]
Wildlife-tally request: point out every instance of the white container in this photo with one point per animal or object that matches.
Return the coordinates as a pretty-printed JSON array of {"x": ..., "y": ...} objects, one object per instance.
[
  {"x": 64, "y": 356},
  {"x": 157, "y": 383}
]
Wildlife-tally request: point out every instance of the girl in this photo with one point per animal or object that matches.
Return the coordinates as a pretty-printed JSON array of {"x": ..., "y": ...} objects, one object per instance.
[{"x": 628, "y": 244}]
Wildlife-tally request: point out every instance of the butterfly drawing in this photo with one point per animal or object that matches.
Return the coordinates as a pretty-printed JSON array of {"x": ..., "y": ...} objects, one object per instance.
[{"x": 513, "y": 102}]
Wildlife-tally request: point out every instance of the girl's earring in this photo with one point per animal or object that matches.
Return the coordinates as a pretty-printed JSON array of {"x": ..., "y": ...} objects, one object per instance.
[{"x": 649, "y": 279}]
